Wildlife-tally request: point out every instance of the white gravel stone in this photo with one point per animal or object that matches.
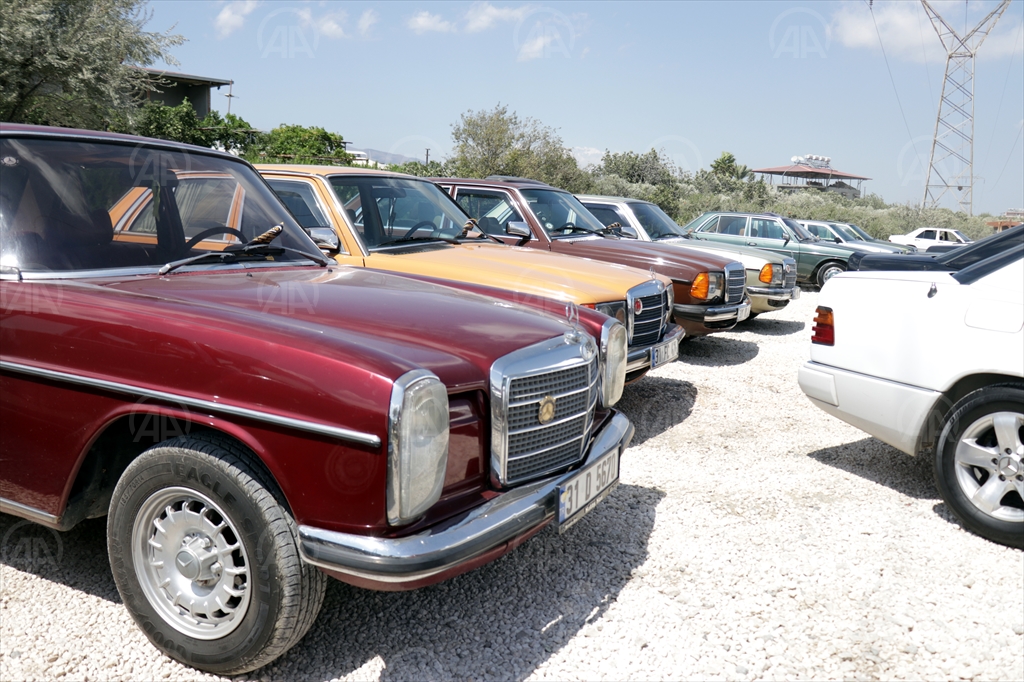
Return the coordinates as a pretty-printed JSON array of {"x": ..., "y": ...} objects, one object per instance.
[{"x": 752, "y": 537}]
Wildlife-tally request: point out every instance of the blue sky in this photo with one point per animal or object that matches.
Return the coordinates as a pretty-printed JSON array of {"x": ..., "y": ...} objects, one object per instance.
[{"x": 763, "y": 80}]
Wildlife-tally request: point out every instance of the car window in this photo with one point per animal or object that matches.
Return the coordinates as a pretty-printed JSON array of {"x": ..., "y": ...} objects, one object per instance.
[
  {"x": 606, "y": 214},
  {"x": 655, "y": 221},
  {"x": 73, "y": 205},
  {"x": 388, "y": 210},
  {"x": 300, "y": 198},
  {"x": 927, "y": 234},
  {"x": 731, "y": 224},
  {"x": 558, "y": 211},
  {"x": 492, "y": 210},
  {"x": 710, "y": 226},
  {"x": 765, "y": 228}
]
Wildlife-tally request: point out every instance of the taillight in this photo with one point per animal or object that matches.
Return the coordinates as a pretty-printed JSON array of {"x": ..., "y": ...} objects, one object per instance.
[
  {"x": 766, "y": 273},
  {"x": 824, "y": 330}
]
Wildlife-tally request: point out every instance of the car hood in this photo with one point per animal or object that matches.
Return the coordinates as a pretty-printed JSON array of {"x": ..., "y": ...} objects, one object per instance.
[
  {"x": 669, "y": 260},
  {"x": 386, "y": 323},
  {"x": 525, "y": 270},
  {"x": 750, "y": 257}
]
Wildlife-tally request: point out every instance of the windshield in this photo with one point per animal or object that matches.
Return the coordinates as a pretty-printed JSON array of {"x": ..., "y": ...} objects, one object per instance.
[
  {"x": 655, "y": 221},
  {"x": 864, "y": 236},
  {"x": 94, "y": 205},
  {"x": 801, "y": 232},
  {"x": 560, "y": 212},
  {"x": 386, "y": 211},
  {"x": 845, "y": 232},
  {"x": 962, "y": 236}
]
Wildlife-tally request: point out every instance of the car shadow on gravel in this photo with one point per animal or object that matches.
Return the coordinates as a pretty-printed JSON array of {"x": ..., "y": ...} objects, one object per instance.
[
  {"x": 76, "y": 558},
  {"x": 656, "y": 404},
  {"x": 498, "y": 622},
  {"x": 883, "y": 464},
  {"x": 770, "y": 327},
  {"x": 713, "y": 351}
]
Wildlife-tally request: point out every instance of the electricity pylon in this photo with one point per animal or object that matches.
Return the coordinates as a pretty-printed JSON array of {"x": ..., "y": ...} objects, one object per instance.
[{"x": 951, "y": 168}]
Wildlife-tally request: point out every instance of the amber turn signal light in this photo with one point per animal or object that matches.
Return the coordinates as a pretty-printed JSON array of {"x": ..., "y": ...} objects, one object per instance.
[
  {"x": 766, "y": 273},
  {"x": 824, "y": 329},
  {"x": 699, "y": 288}
]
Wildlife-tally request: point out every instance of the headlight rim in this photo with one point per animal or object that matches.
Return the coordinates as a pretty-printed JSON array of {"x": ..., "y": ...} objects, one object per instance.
[{"x": 609, "y": 389}]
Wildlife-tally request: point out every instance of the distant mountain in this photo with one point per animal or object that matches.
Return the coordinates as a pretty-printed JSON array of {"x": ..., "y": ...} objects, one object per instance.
[{"x": 387, "y": 157}]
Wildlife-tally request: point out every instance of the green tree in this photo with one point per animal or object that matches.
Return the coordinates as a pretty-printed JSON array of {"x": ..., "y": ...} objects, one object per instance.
[
  {"x": 76, "y": 62},
  {"x": 498, "y": 142},
  {"x": 651, "y": 176},
  {"x": 298, "y": 144},
  {"x": 726, "y": 166}
]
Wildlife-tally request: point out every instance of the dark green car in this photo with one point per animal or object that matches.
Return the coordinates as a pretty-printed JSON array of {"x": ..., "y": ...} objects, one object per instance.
[{"x": 816, "y": 260}]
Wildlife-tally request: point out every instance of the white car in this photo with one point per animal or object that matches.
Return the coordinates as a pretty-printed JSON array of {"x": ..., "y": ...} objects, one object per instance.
[
  {"x": 923, "y": 237},
  {"x": 932, "y": 363}
]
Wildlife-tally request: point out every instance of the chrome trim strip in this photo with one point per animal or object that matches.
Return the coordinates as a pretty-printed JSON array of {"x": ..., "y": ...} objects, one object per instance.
[
  {"x": 534, "y": 453},
  {"x": 27, "y": 512},
  {"x": 504, "y": 518},
  {"x": 300, "y": 424},
  {"x": 770, "y": 293},
  {"x": 714, "y": 314}
]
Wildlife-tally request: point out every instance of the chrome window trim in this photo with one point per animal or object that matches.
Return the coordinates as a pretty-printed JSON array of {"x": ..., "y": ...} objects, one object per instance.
[
  {"x": 115, "y": 273},
  {"x": 316, "y": 199},
  {"x": 299, "y": 424},
  {"x": 551, "y": 355}
]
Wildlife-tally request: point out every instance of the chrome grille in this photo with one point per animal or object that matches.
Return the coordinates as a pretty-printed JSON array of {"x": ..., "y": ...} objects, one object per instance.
[
  {"x": 789, "y": 267},
  {"x": 735, "y": 282},
  {"x": 523, "y": 448},
  {"x": 647, "y": 326}
]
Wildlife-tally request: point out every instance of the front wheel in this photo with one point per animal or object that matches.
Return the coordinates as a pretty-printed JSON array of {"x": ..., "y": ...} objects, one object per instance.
[
  {"x": 828, "y": 271},
  {"x": 203, "y": 553},
  {"x": 979, "y": 463}
]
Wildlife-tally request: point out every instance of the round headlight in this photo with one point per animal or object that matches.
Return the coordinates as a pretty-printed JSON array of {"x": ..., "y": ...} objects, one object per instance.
[
  {"x": 417, "y": 445},
  {"x": 613, "y": 362},
  {"x": 615, "y": 309}
]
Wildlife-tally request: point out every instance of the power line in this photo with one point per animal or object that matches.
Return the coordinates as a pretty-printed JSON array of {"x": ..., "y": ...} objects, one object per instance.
[
  {"x": 1009, "y": 67},
  {"x": 1019, "y": 130},
  {"x": 891, "y": 79}
]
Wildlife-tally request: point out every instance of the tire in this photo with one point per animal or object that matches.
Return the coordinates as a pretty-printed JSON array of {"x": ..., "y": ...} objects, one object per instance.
[
  {"x": 204, "y": 493},
  {"x": 979, "y": 463},
  {"x": 828, "y": 270}
]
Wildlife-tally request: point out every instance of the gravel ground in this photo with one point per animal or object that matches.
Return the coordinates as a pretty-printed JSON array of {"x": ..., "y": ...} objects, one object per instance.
[{"x": 752, "y": 537}]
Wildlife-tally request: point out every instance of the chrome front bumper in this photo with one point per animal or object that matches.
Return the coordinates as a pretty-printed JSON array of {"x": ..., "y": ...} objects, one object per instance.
[
  {"x": 773, "y": 294},
  {"x": 720, "y": 313},
  {"x": 401, "y": 560},
  {"x": 638, "y": 358}
]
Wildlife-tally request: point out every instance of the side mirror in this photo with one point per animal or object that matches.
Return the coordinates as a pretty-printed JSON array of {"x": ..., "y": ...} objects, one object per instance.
[
  {"x": 325, "y": 238},
  {"x": 785, "y": 238},
  {"x": 518, "y": 228}
]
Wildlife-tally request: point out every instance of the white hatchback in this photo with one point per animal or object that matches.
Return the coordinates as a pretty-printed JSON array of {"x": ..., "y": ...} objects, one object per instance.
[
  {"x": 932, "y": 363},
  {"x": 923, "y": 237}
]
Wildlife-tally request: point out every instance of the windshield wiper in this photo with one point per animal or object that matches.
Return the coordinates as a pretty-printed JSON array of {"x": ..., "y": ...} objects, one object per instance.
[
  {"x": 259, "y": 248},
  {"x": 409, "y": 240}
]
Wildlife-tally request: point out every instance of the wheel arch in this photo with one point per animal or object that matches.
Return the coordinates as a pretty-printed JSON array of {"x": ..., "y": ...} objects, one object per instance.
[
  {"x": 124, "y": 436},
  {"x": 943, "y": 407}
]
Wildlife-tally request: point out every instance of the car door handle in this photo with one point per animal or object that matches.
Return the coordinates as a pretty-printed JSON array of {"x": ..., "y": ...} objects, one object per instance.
[{"x": 751, "y": 243}]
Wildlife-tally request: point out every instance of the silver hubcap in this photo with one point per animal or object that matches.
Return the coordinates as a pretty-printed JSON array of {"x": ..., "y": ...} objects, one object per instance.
[
  {"x": 191, "y": 563},
  {"x": 990, "y": 465},
  {"x": 830, "y": 272}
]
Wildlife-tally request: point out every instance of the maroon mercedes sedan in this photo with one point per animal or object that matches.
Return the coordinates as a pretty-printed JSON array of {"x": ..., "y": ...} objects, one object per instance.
[{"x": 252, "y": 417}]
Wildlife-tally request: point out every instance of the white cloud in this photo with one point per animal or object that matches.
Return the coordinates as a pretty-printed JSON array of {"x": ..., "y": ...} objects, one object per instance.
[
  {"x": 484, "y": 15},
  {"x": 534, "y": 48},
  {"x": 367, "y": 20},
  {"x": 232, "y": 17},
  {"x": 332, "y": 25},
  {"x": 587, "y": 156},
  {"x": 425, "y": 22},
  {"x": 907, "y": 32}
]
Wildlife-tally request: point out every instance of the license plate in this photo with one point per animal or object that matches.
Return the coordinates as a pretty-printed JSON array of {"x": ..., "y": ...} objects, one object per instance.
[
  {"x": 743, "y": 313},
  {"x": 583, "y": 492},
  {"x": 664, "y": 353}
]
